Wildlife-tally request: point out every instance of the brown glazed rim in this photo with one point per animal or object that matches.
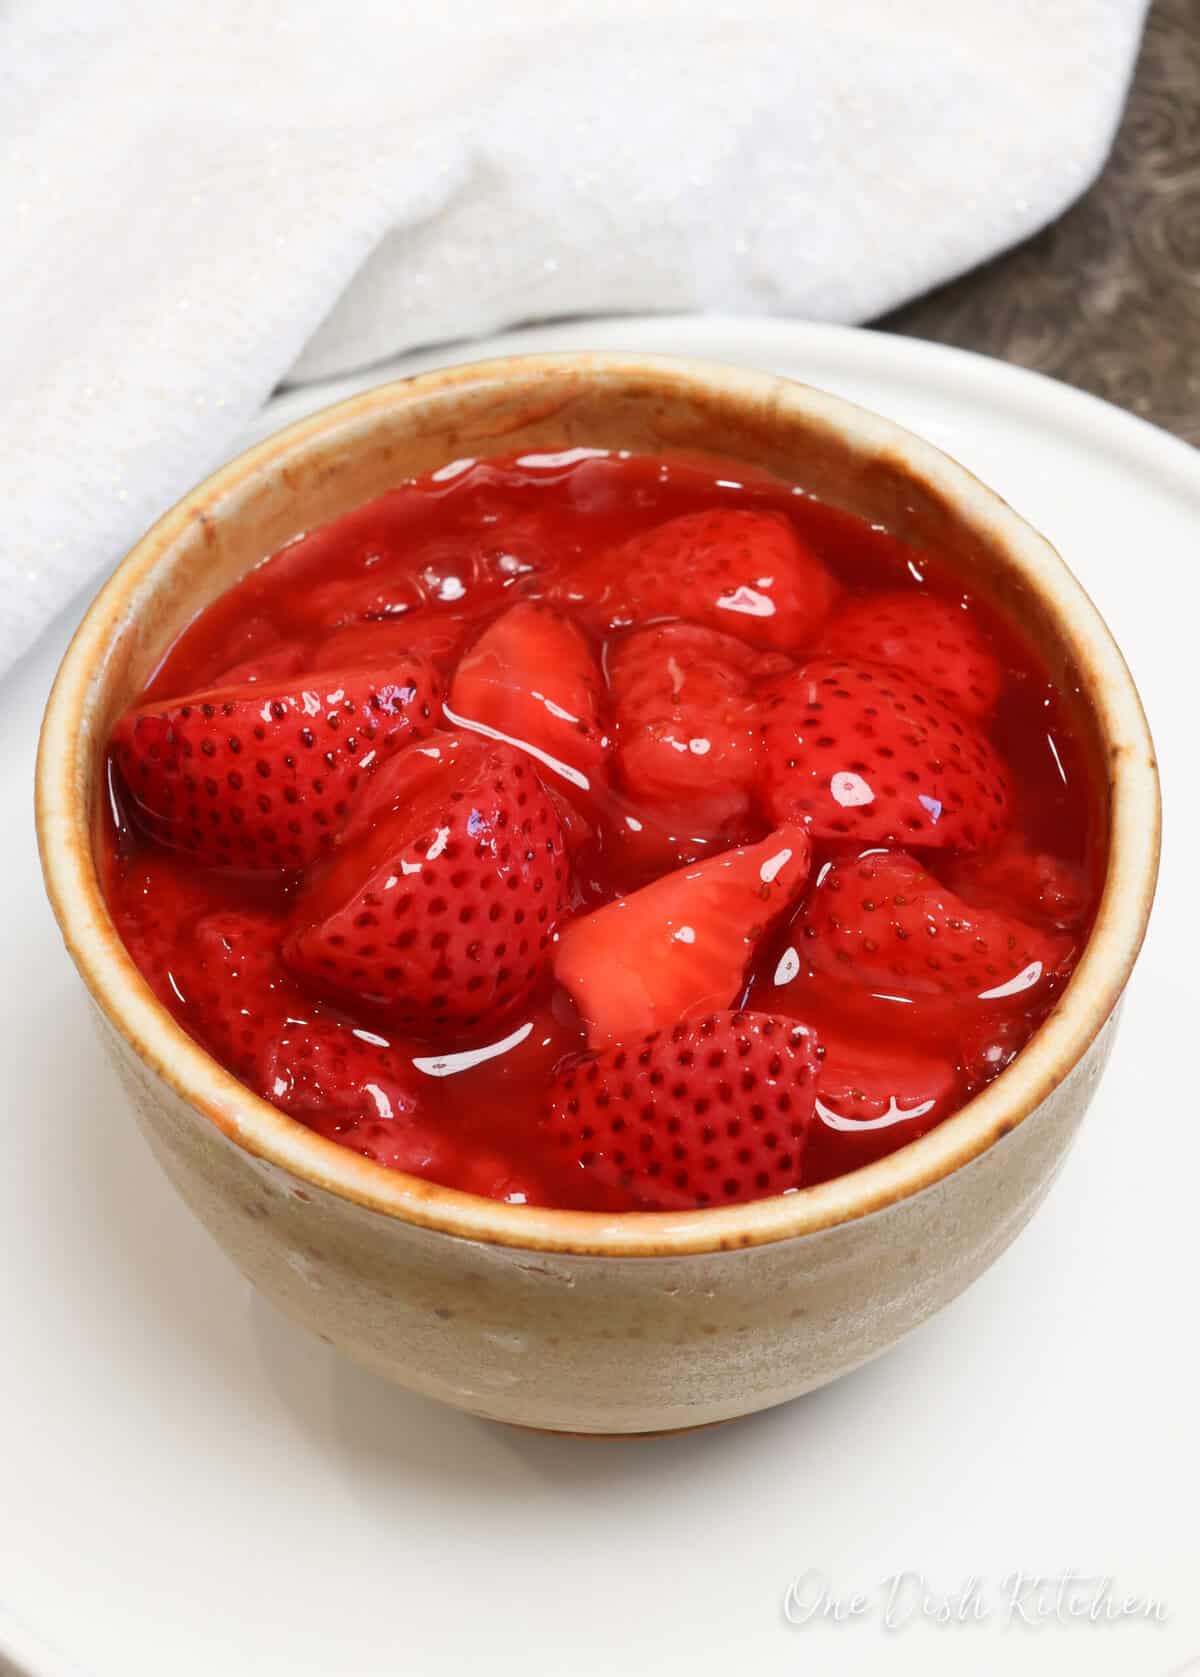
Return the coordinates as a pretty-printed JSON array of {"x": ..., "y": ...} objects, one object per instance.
[{"x": 64, "y": 836}]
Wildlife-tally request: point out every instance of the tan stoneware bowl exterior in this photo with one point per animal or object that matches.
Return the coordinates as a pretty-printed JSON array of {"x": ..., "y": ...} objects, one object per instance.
[{"x": 581, "y": 1322}]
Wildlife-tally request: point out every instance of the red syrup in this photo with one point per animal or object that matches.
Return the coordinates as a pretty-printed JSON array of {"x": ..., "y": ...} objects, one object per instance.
[{"x": 604, "y": 832}]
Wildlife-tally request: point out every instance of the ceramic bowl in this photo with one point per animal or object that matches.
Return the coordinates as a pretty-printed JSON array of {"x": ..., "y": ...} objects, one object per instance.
[{"x": 574, "y": 1321}]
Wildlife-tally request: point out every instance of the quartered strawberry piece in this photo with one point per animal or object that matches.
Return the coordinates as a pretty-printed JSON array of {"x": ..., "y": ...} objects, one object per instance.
[
  {"x": 680, "y": 945},
  {"x": 531, "y": 678},
  {"x": 1042, "y": 888},
  {"x": 865, "y": 754},
  {"x": 935, "y": 640},
  {"x": 873, "y": 1097},
  {"x": 687, "y": 734},
  {"x": 709, "y": 1112},
  {"x": 442, "y": 899},
  {"x": 882, "y": 924},
  {"x": 747, "y": 574},
  {"x": 262, "y": 776}
]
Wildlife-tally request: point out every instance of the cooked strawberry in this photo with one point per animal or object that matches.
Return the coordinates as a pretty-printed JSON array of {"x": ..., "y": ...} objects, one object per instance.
[
  {"x": 347, "y": 1084},
  {"x": 711, "y": 1111},
  {"x": 356, "y": 567},
  {"x": 987, "y": 1046},
  {"x": 747, "y": 574},
  {"x": 367, "y": 645},
  {"x": 482, "y": 1092},
  {"x": 154, "y": 903},
  {"x": 252, "y": 650},
  {"x": 1043, "y": 888},
  {"x": 429, "y": 946},
  {"x": 872, "y": 1098},
  {"x": 385, "y": 562},
  {"x": 437, "y": 757},
  {"x": 441, "y": 902},
  {"x": 864, "y": 753},
  {"x": 687, "y": 734},
  {"x": 375, "y": 598},
  {"x": 356, "y": 1088},
  {"x": 881, "y": 923},
  {"x": 281, "y": 663},
  {"x": 639, "y": 842},
  {"x": 495, "y": 1177},
  {"x": 369, "y": 1094},
  {"x": 579, "y": 832},
  {"x": 231, "y": 991},
  {"x": 680, "y": 945},
  {"x": 325, "y": 1072},
  {"x": 532, "y": 680},
  {"x": 261, "y": 776},
  {"x": 366, "y": 1091},
  {"x": 935, "y": 640},
  {"x": 251, "y": 643}
]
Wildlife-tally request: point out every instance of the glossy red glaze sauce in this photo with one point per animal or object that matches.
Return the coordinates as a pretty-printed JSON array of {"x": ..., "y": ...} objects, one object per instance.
[{"x": 240, "y": 953}]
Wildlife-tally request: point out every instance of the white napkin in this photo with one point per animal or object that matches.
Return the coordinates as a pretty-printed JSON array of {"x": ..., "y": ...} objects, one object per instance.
[{"x": 200, "y": 201}]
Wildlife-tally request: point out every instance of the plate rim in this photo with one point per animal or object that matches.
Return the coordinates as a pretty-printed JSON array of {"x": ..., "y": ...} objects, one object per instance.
[
  {"x": 1171, "y": 460},
  {"x": 864, "y": 348}
]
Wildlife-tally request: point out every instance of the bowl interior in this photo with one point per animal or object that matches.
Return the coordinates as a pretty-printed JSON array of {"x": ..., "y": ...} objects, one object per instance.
[{"x": 329, "y": 463}]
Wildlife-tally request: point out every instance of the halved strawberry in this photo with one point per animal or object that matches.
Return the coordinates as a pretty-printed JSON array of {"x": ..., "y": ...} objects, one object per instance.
[
  {"x": 935, "y": 640},
  {"x": 680, "y": 945},
  {"x": 441, "y": 902},
  {"x": 1043, "y": 888},
  {"x": 884, "y": 925},
  {"x": 873, "y": 1097},
  {"x": 747, "y": 574},
  {"x": 711, "y": 1111},
  {"x": 864, "y": 753},
  {"x": 531, "y": 679},
  {"x": 687, "y": 734},
  {"x": 261, "y": 776}
]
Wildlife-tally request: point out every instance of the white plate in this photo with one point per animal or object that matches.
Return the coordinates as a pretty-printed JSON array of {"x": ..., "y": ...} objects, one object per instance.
[{"x": 192, "y": 1487}]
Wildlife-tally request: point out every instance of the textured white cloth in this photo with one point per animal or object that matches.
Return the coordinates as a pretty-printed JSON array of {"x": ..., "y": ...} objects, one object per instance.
[{"x": 200, "y": 201}]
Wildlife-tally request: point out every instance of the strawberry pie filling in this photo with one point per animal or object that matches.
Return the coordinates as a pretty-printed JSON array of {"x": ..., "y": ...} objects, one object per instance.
[{"x": 606, "y": 832}]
